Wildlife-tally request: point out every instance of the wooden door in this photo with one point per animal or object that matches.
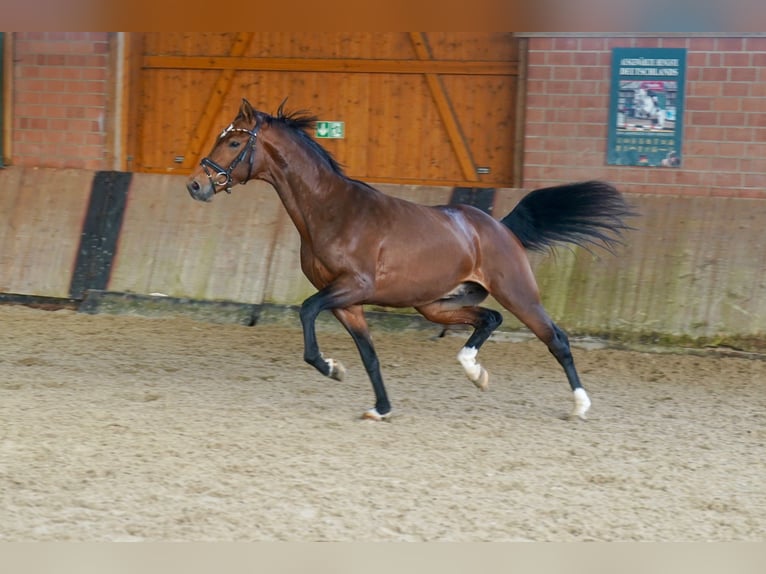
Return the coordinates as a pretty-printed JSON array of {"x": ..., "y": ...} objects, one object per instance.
[{"x": 436, "y": 108}]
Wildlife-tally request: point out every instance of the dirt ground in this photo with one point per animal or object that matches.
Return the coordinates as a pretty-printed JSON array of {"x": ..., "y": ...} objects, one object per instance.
[{"x": 118, "y": 428}]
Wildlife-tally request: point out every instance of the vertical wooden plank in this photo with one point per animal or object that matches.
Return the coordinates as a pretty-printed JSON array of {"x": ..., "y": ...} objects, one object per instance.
[
  {"x": 133, "y": 125},
  {"x": 445, "y": 110},
  {"x": 5, "y": 97}
]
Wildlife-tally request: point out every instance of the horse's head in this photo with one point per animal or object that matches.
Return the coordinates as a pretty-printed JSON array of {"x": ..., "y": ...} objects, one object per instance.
[{"x": 232, "y": 159}]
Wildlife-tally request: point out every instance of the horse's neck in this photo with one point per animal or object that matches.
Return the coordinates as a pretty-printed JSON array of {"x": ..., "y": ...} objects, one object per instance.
[{"x": 305, "y": 183}]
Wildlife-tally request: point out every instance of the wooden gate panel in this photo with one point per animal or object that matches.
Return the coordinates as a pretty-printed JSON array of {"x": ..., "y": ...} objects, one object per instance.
[{"x": 419, "y": 108}]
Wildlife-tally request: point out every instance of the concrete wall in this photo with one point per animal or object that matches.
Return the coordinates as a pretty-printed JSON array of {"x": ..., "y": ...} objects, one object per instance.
[{"x": 691, "y": 273}]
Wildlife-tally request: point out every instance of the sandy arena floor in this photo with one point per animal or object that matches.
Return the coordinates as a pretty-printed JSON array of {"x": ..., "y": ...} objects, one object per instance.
[{"x": 126, "y": 428}]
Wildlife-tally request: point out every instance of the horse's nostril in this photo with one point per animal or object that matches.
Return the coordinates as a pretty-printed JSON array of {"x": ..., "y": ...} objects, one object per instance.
[{"x": 193, "y": 186}]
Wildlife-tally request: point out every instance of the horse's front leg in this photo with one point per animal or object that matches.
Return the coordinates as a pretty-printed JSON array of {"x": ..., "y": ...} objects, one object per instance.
[
  {"x": 355, "y": 323},
  {"x": 309, "y": 312}
]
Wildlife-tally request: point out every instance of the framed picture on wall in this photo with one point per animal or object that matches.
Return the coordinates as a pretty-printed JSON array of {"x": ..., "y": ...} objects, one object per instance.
[{"x": 646, "y": 107}]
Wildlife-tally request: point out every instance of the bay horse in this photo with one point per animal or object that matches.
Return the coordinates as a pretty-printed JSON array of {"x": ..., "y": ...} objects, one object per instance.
[{"x": 360, "y": 246}]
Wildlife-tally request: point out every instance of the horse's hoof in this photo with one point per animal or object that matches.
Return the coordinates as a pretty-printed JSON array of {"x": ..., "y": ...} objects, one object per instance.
[
  {"x": 482, "y": 382},
  {"x": 582, "y": 404},
  {"x": 337, "y": 370},
  {"x": 374, "y": 415}
]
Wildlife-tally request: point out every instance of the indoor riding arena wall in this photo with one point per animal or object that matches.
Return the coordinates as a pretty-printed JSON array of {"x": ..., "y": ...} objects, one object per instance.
[{"x": 689, "y": 274}]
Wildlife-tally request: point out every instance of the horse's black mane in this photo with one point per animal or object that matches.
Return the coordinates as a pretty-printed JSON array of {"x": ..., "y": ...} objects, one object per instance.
[{"x": 299, "y": 122}]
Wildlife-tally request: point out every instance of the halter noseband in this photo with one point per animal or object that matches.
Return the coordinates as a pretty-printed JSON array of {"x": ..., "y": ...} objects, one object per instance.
[{"x": 222, "y": 177}]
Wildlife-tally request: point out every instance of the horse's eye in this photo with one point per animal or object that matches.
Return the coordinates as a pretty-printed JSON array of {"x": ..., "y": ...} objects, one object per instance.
[{"x": 234, "y": 143}]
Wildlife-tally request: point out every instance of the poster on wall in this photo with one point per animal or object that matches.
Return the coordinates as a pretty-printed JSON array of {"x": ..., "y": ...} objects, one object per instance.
[{"x": 646, "y": 107}]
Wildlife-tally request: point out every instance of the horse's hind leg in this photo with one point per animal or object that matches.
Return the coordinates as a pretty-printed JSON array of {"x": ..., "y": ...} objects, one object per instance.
[
  {"x": 539, "y": 322},
  {"x": 484, "y": 322}
]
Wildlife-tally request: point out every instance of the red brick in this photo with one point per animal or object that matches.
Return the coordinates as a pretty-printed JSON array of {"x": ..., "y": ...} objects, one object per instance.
[
  {"x": 539, "y": 130},
  {"x": 535, "y": 115},
  {"x": 594, "y": 116},
  {"x": 595, "y": 44},
  {"x": 598, "y": 100},
  {"x": 592, "y": 131},
  {"x": 674, "y": 42},
  {"x": 743, "y": 74},
  {"x": 696, "y": 59},
  {"x": 566, "y": 44},
  {"x": 757, "y": 165},
  {"x": 715, "y": 74},
  {"x": 739, "y": 89},
  {"x": 619, "y": 43},
  {"x": 556, "y": 87},
  {"x": 536, "y": 58},
  {"x": 726, "y": 104},
  {"x": 704, "y": 88},
  {"x": 565, "y": 73},
  {"x": 539, "y": 73},
  {"x": 647, "y": 42},
  {"x": 536, "y": 86},
  {"x": 729, "y": 44},
  {"x": 588, "y": 87},
  {"x": 535, "y": 158},
  {"x": 699, "y": 104},
  {"x": 594, "y": 73},
  {"x": 560, "y": 58},
  {"x": 728, "y": 180},
  {"x": 704, "y": 118},
  {"x": 542, "y": 44},
  {"x": 755, "y": 44},
  {"x": 742, "y": 134},
  {"x": 569, "y": 115},
  {"x": 738, "y": 59},
  {"x": 755, "y": 180},
  {"x": 701, "y": 148},
  {"x": 723, "y": 164},
  {"x": 99, "y": 74},
  {"x": 732, "y": 119},
  {"x": 559, "y": 101}
]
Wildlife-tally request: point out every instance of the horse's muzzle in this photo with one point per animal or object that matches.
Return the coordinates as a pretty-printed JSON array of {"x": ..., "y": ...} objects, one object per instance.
[{"x": 200, "y": 192}]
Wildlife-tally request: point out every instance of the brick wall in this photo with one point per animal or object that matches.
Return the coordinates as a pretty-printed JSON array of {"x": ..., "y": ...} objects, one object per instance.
[
  {"x": 60, "y": 96},
  {"x": 724, "y": 148}
]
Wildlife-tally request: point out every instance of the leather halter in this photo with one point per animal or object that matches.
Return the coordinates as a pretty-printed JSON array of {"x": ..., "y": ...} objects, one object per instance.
[{"x": 221, "y": 177}]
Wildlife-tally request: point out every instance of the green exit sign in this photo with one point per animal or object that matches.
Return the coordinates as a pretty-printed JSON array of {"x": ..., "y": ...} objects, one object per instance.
[{"x": 331, "y": 129}]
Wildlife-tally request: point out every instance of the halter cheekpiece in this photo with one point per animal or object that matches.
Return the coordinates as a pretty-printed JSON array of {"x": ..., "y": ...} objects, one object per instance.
[{"x": 221, "y": 177}]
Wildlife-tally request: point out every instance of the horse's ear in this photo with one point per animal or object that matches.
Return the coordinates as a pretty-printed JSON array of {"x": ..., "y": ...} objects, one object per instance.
[{"x": 246, "y": 111}]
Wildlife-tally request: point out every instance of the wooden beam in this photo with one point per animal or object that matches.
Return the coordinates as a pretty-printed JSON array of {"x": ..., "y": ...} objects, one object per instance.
[
  {"x": 446, "y": 112},
  {"x": 426, "y": 66},
  {"x": 132, "y": 123},
  {"x": 220, "y": 90},
  {"x": 7, "y": 99}
]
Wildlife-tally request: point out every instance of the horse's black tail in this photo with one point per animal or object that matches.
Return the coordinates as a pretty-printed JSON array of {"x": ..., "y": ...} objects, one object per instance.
[{"x": 588, "y": 212}]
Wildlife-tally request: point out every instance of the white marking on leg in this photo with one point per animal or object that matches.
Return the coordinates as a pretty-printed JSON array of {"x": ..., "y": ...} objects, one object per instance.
[
  {"x": 374, "y": 415},
  {"x": 467, "y": 358},
  {"x": 473, "y": 370},
  {"x": 337, "y": 370},
  {"x": 582, "y": 403}
]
